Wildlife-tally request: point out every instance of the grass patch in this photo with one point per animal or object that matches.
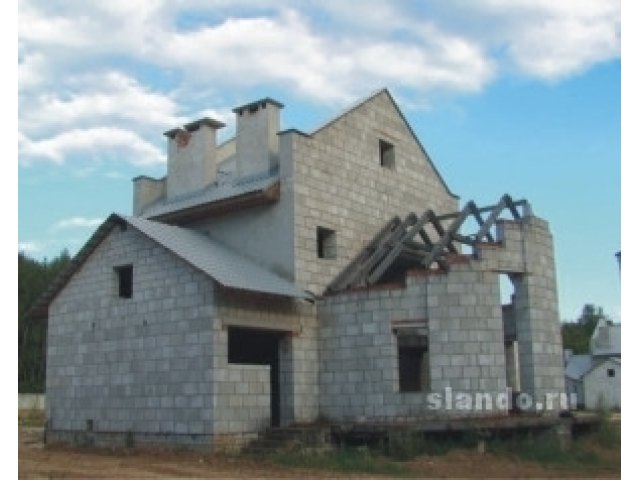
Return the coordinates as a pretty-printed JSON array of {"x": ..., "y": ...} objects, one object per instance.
[
  {"x": 607, "y": 432},
  {"x": 389, "y": 459},
  {"x": 346, "y": 460},
  {"x": 594, "y": 450},
  {"x": 543, "y": 448},
  {"x": 31, "y": 418},
  {"x": 406, "y": 446}
]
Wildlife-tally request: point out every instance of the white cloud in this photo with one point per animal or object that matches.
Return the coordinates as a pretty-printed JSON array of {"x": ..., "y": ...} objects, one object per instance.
[
  {"x": 36, "y": 26},
  {"x": 550, "y": 39},
  {"x": 316, "y": 60},
  {"x": 31, "y": 71},
  {"x": 78, "y": 222},
  {"x": 88, "y": 71},
  {"x": 29, "y": 247},
  {"x": 312, "y": 47},
  {"x": 326, "y": 66},
  {"x": 564, "y": 46},
  {"x": 99, "y": 142},
  {"x": 109, "y": 97},
  {"x": 89, "y": 28}
]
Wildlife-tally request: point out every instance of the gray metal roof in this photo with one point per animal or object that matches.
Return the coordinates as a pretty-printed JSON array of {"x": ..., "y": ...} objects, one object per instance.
[
  {"x": 577, "y": 366},
  {"x": 219, "y": 262},
  {"x": 212, "y": 194},
  {"x": 226, "y": 267}
]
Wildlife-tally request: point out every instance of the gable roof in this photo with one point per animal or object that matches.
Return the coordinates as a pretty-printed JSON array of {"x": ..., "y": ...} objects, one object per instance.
[
  {"x": 221, "y": 264},
  {"x": 368, "y": 98}
]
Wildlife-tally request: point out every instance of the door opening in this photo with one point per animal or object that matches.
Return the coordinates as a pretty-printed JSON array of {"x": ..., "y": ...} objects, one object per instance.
[
  {"x": 259, "y": 347},
  {"x": 511, "y": 347}
]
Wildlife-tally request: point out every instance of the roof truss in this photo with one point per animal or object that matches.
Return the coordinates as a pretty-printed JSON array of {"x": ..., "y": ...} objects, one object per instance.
[{"x": 400, "y": 238}]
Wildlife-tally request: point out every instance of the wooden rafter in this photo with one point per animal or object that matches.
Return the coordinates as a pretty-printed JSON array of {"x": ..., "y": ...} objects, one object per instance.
[{"x": 398, "y": 238}]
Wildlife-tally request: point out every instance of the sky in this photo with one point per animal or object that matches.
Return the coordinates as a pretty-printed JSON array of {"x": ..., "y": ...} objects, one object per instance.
[{"x": 507, "y": 96}]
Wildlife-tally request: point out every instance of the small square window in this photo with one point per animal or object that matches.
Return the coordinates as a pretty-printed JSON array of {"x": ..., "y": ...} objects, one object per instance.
[
  {"x": 326, "y": 243},
  {"x": 124, "y": 276},
  {"x": 611, "y": 372},
  {"x": 387, "y": 155}
]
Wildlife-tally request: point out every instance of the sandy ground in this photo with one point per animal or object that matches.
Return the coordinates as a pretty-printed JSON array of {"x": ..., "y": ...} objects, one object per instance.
[{"x": 37, "y": 461}]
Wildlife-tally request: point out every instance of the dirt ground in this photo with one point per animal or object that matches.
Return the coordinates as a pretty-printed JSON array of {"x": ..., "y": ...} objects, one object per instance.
[{"x": 39, "y": 462}]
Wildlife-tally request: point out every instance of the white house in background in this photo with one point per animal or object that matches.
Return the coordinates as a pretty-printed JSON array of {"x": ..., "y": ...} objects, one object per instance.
[
  {"x": 602, "y": 384},
  {"x": 595, "y": 378},
  {"x": 605, "y": 341}
]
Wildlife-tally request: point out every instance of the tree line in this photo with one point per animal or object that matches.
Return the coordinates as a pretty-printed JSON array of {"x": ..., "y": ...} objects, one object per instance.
[{"x": 34, "y": 277}]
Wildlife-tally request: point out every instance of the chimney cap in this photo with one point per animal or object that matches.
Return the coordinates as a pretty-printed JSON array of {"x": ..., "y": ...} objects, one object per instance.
[
  {"x": 172, "y": 133},
  {"x": 210, "y": 122},
  {"x": 146, "y": 177},
  {"x": 255, "y": 105}
]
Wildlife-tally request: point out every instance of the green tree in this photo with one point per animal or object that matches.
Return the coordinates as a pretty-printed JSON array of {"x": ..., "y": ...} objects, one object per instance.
[
  {"x": 576, "y": 335},
  {"x": 33, "y": 279}
]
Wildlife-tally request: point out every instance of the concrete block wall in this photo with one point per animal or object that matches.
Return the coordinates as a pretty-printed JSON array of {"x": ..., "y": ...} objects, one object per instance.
[
  {"x": 526, "y": 254},
  {"x": 466, "y": 336},
  {"x": 299, "y": 354},
  {"x": 358, "y": 357},
  {"x": 339, "y": 184},
  {"x": 142, "y": 365},
  {"x": 242, "y": 399},
  {"x": 536, "y": 310},
  {"x": 358, "y": 349},
  {"x": 359, "y": 379}
]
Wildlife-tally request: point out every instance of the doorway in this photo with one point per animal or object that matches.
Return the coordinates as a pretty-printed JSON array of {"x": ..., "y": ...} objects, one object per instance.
[{"x": 259, "y": 347}]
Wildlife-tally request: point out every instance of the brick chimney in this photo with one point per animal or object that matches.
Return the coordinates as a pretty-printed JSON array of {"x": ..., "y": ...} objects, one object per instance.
[
  {"x": 257, "y": 142},
  {"x": 191, "y": 162}
]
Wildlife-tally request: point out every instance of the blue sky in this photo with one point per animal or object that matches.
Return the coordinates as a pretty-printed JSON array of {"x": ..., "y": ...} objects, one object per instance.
[{"x": 507, "y": 96}]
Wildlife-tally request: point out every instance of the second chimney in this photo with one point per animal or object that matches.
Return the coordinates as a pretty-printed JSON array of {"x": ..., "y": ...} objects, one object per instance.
[{"x": 257, "y": 140}]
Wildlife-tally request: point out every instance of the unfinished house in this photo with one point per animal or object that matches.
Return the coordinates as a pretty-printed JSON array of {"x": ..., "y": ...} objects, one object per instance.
[{"x": 284, "y": 277}]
